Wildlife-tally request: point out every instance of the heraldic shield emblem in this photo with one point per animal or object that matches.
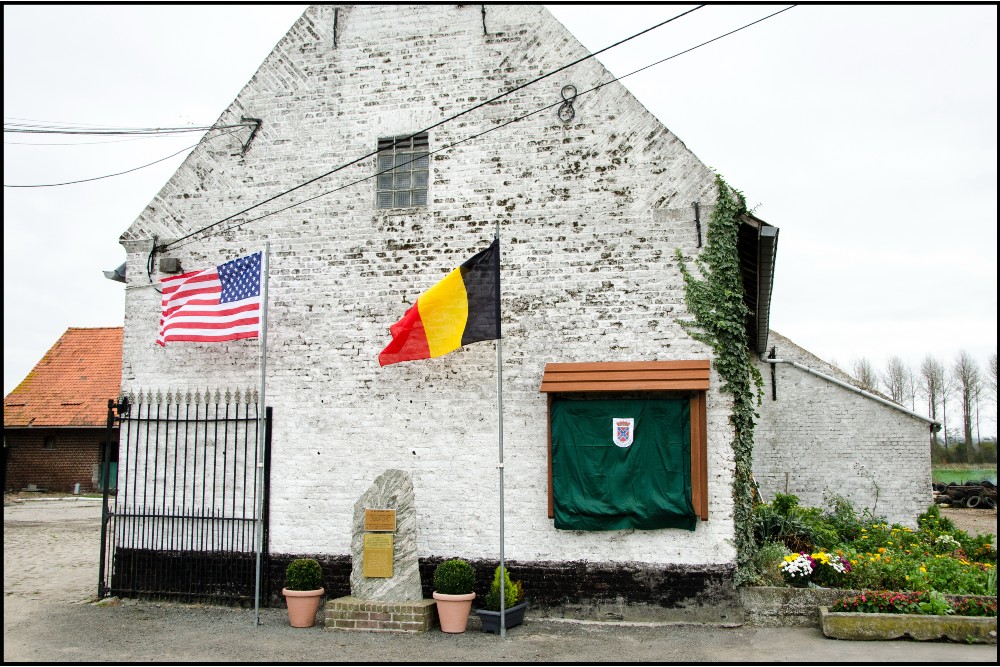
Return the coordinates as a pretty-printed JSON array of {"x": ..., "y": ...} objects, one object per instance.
[{"x": 623, "y": 430}]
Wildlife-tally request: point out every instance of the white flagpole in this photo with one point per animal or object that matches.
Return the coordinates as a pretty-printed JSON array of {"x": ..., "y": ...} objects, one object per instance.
[
  {"x": 261, "y": 428},
  {"x": 503, "y": 571}
]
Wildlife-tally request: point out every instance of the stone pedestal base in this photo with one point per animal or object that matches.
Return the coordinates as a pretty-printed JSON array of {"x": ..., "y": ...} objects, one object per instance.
[{"x": 350, "y": 613}]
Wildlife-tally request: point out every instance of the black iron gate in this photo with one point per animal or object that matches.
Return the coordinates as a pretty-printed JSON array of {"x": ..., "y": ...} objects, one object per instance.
[{"x": 182, "y": 521}]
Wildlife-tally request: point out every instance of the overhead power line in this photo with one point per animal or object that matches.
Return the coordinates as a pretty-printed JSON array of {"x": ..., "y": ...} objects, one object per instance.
[
  {"x": 178, "y": 244},
  {"x": 120, "y": 173},
  {"x": 28, "y": 128},
  {"x": 433, "y": 126},
  {"x": 92, "y": 143}
]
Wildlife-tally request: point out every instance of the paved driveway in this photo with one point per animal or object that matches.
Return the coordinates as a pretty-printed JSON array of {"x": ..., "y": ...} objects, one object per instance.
[{"x": 50, "y": 581}]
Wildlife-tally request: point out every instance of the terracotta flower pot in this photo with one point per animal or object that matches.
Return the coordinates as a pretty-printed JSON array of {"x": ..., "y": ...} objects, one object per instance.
[
  {"x": 302, "y": 606},
  {"x": 453, "y": 611}
]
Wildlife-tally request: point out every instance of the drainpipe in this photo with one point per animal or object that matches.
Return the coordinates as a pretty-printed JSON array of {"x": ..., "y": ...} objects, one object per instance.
[{"x": 935, "y": 427}]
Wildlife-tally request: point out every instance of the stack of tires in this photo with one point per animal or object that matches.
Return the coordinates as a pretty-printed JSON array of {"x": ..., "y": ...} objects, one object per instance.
[
  {"x": 981, "y": 495},
  {"x": 989, "y": 495}
]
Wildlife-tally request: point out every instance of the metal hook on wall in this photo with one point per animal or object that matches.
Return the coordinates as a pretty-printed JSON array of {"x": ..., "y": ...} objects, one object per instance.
[{"x": 566, "y": 112}]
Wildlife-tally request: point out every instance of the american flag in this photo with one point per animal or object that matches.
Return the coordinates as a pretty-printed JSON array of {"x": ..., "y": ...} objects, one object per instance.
[{"x": 217, "y": 304}]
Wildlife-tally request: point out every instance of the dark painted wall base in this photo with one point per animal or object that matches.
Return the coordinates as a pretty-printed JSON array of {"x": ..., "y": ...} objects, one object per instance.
[
  {"x": 578, "y": 588},
  {"x": 551, "y": 584}
]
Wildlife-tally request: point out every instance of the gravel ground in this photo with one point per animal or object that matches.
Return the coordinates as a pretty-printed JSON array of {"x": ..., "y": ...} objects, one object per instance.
[
  {"x": 973, "y": 521},
  {"x": 50, "y": 615}
]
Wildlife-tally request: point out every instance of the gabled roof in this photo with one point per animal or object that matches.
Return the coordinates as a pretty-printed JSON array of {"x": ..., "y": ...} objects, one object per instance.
[{"x": 72, "y": 383}]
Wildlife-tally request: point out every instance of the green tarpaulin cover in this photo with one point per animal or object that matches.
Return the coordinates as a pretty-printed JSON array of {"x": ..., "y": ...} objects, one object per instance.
[{"x": 598, "y": 485}]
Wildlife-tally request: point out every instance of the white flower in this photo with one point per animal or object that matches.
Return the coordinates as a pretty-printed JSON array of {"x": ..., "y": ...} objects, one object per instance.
[
  {"x": 838, "y": 565},
  {"x": 947, "y": 541},
  {"x": 800, "y": 567}
]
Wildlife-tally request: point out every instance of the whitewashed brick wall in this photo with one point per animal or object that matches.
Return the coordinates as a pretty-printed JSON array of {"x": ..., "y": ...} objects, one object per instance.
[
  {"x": 825, "y": 439},
  {"x": 590, "y": 213}
]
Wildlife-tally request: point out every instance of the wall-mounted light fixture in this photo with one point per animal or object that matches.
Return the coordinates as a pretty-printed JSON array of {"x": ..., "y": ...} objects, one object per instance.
[{"x": 170, "y": 265}]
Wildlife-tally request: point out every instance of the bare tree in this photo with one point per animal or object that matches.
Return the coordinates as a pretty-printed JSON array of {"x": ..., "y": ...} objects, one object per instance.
[
  {"x": 865, "y": 374},
  {"x": 947, "y": 389},
  {"x": 979, "y": 434},
  {"x": 932, "y": 385},
  {"x": 913, "y": 388},
  {"x": 991, "y": 375},
  {"x": 968, "y": 381},
  {"x": 896, "y": 379}
]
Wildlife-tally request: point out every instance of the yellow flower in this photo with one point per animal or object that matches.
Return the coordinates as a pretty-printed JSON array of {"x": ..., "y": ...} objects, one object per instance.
[
  {"x": 923, "y": 569},
  {"x": 889, "y": 543},
  {"x": 881, "y": 550}
]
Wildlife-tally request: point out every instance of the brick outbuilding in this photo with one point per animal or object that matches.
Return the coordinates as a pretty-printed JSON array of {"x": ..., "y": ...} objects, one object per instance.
[{"x": 55, "y": 421}]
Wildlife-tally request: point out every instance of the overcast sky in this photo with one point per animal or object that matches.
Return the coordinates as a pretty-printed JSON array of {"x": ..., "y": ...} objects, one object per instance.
[{"x": 867, "y": 134}]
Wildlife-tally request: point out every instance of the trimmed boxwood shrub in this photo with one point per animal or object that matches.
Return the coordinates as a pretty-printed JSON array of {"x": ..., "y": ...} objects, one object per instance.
[
  {"x": 303, "y": 574},
  {"x": 454, "y": 577}
]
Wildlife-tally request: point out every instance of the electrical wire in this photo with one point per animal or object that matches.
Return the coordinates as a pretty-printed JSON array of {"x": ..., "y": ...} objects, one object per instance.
[
  {"x": 79, "y": 143},
  {"x": 105, "y": 142},
  {"x": 177, "y": 244},
  {"x": 35, "y": 122},
  {"x": 20, "y": 128},
  {"x": 120, "y": 173},
  {"x": 433, "y": 126}
]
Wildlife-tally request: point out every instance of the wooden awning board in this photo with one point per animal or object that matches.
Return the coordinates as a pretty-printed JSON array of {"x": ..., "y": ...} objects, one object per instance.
[{"x": 613, "y": 376}]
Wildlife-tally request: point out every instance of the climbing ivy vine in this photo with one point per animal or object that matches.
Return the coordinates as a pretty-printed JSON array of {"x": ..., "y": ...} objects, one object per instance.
[{"x": 716, "y": 301}]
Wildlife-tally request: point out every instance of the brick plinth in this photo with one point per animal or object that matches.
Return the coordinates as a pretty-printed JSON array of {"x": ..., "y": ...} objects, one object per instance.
[{"x": 350, "y": 613}]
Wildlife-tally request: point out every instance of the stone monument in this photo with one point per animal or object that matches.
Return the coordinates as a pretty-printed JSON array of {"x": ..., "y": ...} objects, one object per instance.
[{"x": 386, "y": 595}]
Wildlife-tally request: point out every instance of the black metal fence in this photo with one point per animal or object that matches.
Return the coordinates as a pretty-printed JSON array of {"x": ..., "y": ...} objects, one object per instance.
[{"x": 192, "y": 482}]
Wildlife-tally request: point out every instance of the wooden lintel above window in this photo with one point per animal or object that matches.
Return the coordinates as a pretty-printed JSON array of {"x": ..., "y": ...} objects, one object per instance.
[{"x": 613, "y": 376}]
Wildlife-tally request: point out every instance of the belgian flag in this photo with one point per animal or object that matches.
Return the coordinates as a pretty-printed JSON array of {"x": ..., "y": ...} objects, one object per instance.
[{"x": 463, "y": 308}]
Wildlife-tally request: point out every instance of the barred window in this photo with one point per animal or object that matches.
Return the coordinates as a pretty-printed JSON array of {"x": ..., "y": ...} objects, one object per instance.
[{"x": 403, "y": 170}]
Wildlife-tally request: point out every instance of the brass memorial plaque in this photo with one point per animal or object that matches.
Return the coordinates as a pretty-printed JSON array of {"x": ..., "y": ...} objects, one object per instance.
[
  {"x": 377, "y": 556},
  {"x": 380, "y": 520}
]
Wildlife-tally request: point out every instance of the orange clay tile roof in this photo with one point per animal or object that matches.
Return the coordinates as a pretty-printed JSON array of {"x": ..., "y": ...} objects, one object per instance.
[{"x": 72, "y": 383}]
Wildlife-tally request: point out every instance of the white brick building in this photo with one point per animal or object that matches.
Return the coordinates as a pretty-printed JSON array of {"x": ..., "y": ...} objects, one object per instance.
[
  {"x": 816, "y": 437},
  {"x": 590, "y": 211}
]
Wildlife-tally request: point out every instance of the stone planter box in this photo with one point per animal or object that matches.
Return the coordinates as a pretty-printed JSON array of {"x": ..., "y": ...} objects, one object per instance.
[
  {"x": 779, "y": 606},
  {"x": 864, "y": 626}
]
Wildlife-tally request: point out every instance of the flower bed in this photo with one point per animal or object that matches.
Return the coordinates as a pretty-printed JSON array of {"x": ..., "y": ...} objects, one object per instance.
[
  {"x": 780, "y": 606},
  {"x": 838, "y": 548},
  {"x": 922, "y": 602},
  {"x": 800, "y": 569},
  {"x": 838, "y": 554}
]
